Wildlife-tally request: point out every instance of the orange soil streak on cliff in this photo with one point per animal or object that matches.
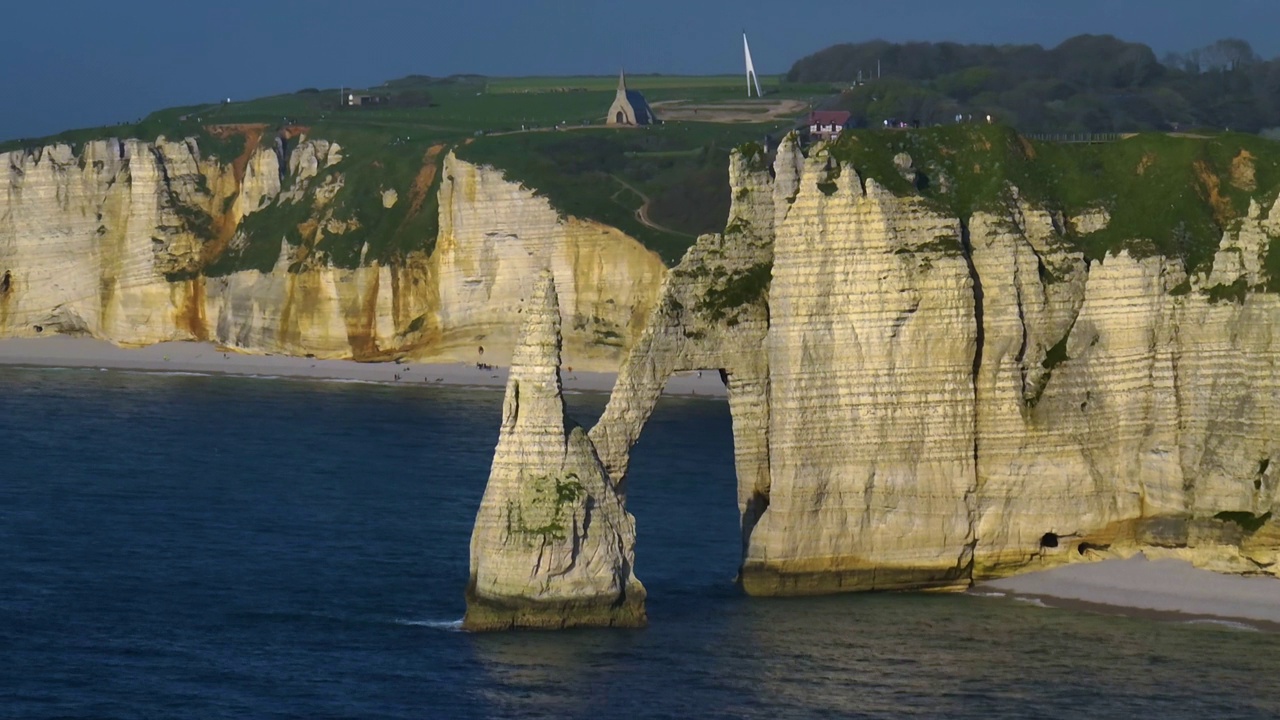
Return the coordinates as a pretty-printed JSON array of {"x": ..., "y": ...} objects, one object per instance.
[
  {"x": 360, "y": 328},
  {"x": 1211, "y": 186},
  {"x": 1244, "y": 174},
  {"x": 422, "y": 183},
  {"x": 1147, "y": 161},
  {"x": 252, "y": 133},
  {"x": 191, "y": 314},
  {"x": 226, "y": 221}
]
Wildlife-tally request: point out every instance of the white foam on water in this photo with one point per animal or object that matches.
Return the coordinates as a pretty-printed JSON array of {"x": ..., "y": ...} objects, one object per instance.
[
  {"x": 449, "y": 625},
  {"x": 185, "y": 373},
  {"x": 980, "y": 593},
  {"x": 1031, "y": 601},
  {"x": 351, "y": 381},
  {"x": 1233, "y": 624}
]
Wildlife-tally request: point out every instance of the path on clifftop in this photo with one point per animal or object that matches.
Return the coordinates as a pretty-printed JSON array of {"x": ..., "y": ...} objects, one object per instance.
[{"x": 642, "y": 214}]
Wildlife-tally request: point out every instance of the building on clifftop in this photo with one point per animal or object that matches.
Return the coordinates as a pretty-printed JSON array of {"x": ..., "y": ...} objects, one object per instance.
[
  {"x": 828, "y": 124},
  {"x": 629, "y": 106}
]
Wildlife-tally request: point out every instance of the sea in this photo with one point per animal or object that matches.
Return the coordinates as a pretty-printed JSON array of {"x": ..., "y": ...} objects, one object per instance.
[{"x": 187, "y": 546}]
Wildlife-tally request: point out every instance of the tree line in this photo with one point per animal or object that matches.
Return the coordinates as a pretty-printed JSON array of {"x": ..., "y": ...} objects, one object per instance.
[{"x": 1089, "y": 83}]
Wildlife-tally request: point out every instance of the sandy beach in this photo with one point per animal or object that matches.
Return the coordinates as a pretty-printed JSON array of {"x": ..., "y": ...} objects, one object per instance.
[
  {"x": 193, "y": 357},
  {"x": 1165, "y": 588}
]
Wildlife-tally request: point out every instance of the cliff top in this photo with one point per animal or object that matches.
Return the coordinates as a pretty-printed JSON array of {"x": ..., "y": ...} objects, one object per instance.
[
  {"x": 1164, "y": 193},
  {"x": 675, "y": 172},
  {"x": 667, "y": 184}
]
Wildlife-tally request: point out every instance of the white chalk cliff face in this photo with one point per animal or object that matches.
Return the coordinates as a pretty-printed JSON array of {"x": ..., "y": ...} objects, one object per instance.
[
  {"x": 103, "y": 242},
  {"x": 870, "y": 350},
  {"x": 920, "y": 401},
  {"x": 553, "y": 545},
  {"x": 954, "y": 401}
]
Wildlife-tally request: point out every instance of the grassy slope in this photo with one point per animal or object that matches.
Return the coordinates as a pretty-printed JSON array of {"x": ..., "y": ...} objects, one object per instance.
[
  {"x": 385, "y": 147},
  {"x": 1168, "y": 195},
  {"x": 682, "y": 168}
]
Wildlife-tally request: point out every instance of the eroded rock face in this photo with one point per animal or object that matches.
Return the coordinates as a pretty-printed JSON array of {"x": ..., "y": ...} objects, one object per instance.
[
  {"x": 934, "y": 400},
  {"x": 553, "y": 545},
  {"x": 711, "y": 314},
  {"x": 957, "y": 400},
  {"x": 871, "y": 345},
  {"x": 495, "y": 238},
  {"x": 110, "y": 241}
]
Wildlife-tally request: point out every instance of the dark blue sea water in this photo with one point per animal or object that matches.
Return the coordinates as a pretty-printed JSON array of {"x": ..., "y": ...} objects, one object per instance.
[{"x": 207, "y": 547}]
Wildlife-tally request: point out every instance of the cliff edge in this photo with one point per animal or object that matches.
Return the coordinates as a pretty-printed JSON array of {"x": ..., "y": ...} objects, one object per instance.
[{"x": 987, "y": 358}]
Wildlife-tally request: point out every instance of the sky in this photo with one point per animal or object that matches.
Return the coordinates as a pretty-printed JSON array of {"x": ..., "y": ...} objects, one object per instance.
[{"x": 78, "y": 63}]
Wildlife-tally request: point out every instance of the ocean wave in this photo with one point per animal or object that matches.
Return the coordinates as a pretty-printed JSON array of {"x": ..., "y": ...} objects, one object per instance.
[
  {"x": 1031, "y": 601},
  {"x": 1233, "y": 624},
  {"x": 449, "y": 625},
  {"x": 185, "y": 373},
  {"x": 990, "y": 593}
]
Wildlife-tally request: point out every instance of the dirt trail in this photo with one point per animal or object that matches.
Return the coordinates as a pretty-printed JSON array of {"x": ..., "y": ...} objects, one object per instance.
[
  {"x": 643, "y": 213},
  {"x": 745, "y": 111}
]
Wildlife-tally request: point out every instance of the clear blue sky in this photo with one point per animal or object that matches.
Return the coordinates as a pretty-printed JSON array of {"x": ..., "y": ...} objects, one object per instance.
[{"x": 77, "y": 63}]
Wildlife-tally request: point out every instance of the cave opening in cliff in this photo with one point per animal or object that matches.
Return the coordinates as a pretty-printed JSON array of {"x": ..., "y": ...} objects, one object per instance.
[
  {"x": 682, "y": 490},
  {"x": 1049, "y": 540}
]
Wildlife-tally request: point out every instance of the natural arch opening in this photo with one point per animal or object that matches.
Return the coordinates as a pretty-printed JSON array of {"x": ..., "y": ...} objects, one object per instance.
[{"x": 682, "y": 491}]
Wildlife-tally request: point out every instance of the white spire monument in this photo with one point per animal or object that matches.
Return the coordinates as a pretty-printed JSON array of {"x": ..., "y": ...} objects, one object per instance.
[{"x": 751, "y": 68}]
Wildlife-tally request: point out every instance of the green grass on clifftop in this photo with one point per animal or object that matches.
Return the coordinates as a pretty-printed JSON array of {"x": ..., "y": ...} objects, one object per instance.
[
  {"x": 1173, "y": 195},
  {"x": 679, "y": 169},
  {"x": 607, "y": 175}
]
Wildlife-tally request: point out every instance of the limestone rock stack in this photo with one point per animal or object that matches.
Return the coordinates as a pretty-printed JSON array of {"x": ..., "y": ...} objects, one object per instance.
[{"x": 553, "y": 544}]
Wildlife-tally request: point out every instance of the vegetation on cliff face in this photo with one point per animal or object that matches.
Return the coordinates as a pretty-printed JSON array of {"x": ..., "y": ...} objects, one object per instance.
[
  {"x": 1090, "y": 83},
  {"x": 674, "y": 176},
  {"x": 663, "y": 185},
  {"x": 666, "y": 184},
  {"x": 1165, "y": 194}
]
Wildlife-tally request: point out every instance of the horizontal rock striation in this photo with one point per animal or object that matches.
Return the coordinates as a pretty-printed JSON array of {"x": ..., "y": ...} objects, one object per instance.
[
  {"x": 871, "y": 348},
  {"x": 497, "y": 236},
  {"x": 553, "y": 544},
  {"x": 932, "y": 398},
  {"x": 712, "y": 313},
  {"x": 953, "y": 399}
]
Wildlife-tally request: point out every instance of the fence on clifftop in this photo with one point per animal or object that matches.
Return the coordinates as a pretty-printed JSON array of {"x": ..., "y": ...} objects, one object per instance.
[{"x": 1077, "y": 137}]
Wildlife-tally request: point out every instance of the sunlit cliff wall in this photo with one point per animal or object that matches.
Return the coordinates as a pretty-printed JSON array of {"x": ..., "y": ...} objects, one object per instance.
[{"x": 121, "y": 240}]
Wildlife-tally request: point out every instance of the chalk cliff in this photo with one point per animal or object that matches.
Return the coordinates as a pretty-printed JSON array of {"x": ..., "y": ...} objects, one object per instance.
[
  {"x": 922, "y": 399},
  {"x": 137, "y": 243},
  {"x": 946, "y": 359},
  {"x": 553, "y": 545}
]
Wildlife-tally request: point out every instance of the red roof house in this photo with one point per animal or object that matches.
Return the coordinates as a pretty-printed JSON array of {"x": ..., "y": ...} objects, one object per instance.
[{"x": 826, "y": 124}]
